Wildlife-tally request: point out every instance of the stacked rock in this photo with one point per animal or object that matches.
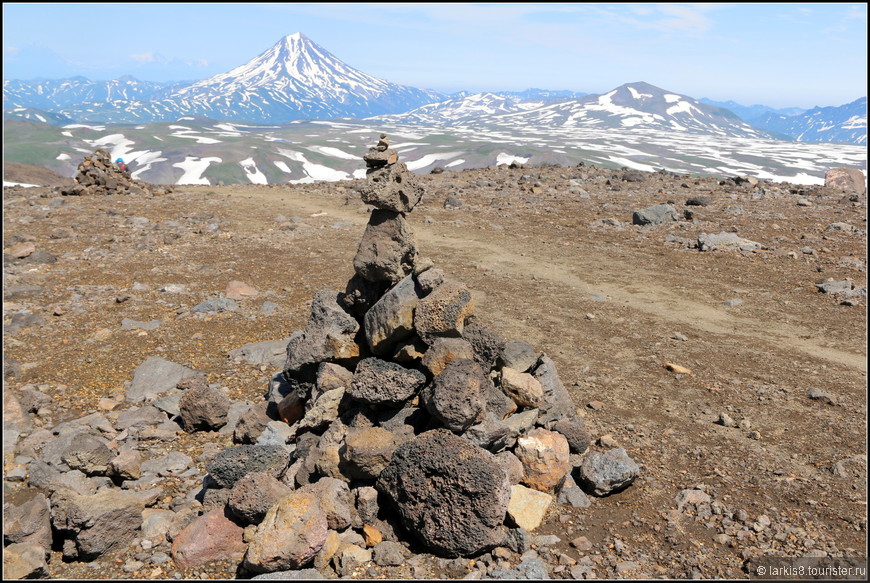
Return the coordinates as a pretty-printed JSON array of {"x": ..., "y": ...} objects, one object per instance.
[
  {"x": 409, "y": 417},
  {"x": 98, "y": 175}
]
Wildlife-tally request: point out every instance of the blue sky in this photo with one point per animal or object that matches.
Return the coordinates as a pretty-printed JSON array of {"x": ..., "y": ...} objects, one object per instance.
[{"x": 780, "y": 55}]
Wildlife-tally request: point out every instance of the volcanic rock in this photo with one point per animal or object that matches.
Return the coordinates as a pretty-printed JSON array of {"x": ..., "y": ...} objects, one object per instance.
[{"x": 449, "y": 493}]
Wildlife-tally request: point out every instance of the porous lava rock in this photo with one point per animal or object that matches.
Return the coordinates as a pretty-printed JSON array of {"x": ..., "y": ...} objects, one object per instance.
[{"x": 448, "y": 492}]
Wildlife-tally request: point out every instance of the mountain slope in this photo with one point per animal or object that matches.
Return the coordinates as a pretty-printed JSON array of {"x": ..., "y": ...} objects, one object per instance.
[
  {"x": 633, "y": 105},
  {"x": 294, "y": 79},
  {"x": 60, "y": 93},
  {"x": 844, "y": 123}
]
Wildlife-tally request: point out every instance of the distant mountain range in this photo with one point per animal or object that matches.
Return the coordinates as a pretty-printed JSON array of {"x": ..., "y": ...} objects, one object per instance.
[
  {"x": 297, "y": 79},
  {"x": 633, "y": 105}
]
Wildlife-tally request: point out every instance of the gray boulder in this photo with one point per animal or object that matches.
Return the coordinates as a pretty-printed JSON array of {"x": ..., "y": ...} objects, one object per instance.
[
  {"x": 723, "y": 240},
  {"x": 329, "y": 335},
  {"x": 154, "y": 376},
  {"x": 99, "y": 522},
  {"x": 388, "y": 248},
  {"x": 607, "y": 472},
  {"x": 203, "y": 407},
  {"x": 655, "y": 215},
  {"x": 29, "y": 521},
  {"x": 88, "y": 454},
  {"x": 268, "y": 352},
  {"x": 391, "y": 319},
  {"x": 557, "y": 402},
  {"x": 518, "y": 355}
]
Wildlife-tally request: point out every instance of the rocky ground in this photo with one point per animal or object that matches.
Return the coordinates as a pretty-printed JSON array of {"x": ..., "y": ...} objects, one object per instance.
[{"x": 725, "y": 351}]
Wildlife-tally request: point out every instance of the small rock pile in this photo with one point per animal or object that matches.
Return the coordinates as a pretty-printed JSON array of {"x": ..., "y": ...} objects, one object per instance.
[
  {"x": 411, "y": 419},
  {"x": 98, "y": 175}
]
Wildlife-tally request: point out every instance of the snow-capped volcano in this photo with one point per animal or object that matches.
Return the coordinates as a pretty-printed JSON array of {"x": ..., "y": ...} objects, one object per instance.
[{"x": 294, "y": 79}]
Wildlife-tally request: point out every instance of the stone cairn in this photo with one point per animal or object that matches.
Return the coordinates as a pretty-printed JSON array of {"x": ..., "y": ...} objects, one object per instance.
[
  {"x": 98, "y": 175},
  {"x": 411, "y": 419}
]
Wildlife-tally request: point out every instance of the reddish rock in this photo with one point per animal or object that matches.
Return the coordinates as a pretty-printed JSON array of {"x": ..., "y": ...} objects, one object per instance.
[{"x": 211, "y": 537}]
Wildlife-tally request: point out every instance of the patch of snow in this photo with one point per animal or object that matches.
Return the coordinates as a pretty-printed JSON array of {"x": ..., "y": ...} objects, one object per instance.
[
  {"x": 455, "y": 163},
  {"x": 671, "y": 98},
  {"x": 503, "y": 158},
  {"x": 680, "y": 107},
  {"x": 254, "y": 175},
  {"x": 631, "y": 164},
  {"x": 334, "y": 152},
  {"x": 63, "y": 156},
  {"x": 429, "y": 159},
  {"x": 199, "y": 139},
  {"x": 81, "y": 125},
  {"x": 193, "y": 168},
  {"x": 23, "y": 184},
  {"x": 282, "y": 165},
  {"x": 637, "y": 95}
]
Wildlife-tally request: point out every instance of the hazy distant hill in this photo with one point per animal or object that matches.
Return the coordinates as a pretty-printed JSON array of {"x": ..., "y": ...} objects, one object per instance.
[
  {"x": 845, "y": 123},
  {"x": 750, "y": 112}
]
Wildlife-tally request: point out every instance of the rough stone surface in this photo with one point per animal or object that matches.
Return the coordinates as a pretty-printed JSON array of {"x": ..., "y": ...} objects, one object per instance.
[
  {"x": 380, "y": 382},
  {"x": 392, "y": 188},
  {"x": 443, "y": 312},
  {"x": 608, "y": 472},
  {"x": 457, "y": 396},
  {"x": 291, "y": 534},
  {"x": 451, "y": 494},
  {"x": 391, "y": 319},
  {"x": 523, "y": 388},
  {"x": 28, "y": 522},
  {"x": 444, "y": 350},
  {"x": 486, "y": 342},
  {"x": 204, "y": 408},
  {"x": 655, "y": 215},
  {"x": 574, "y": 430},
  {"x": 366, "y": 452},
  {"x": 25, "y": 560},
  {"x": 253, "y": 495},
  {"x": 557, "y": 402},
  {"x": 98, "y": 522},
  {"x": 518, "y": 355},
  {"x": 233, "y": 463},
  {"x": 329, "y": 335},
  {"x": 211, "y": 537},
  {"x": 388, "y": 248},
  {"x": 545, "y": 457}
]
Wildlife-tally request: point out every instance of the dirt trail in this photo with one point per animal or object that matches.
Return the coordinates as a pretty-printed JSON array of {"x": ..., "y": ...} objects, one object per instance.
[{"x": 623, "y": 280}]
